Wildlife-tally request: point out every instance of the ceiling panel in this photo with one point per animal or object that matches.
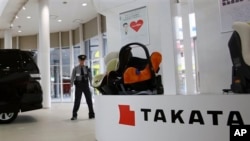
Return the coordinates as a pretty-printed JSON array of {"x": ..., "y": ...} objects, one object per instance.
[{"x": 70, "y": 12}]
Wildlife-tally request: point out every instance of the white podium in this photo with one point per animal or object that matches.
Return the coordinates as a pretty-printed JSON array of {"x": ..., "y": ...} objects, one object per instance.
[{"x": 169, "y": 118}]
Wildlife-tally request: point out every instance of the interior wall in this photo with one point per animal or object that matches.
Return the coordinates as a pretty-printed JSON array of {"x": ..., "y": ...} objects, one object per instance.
[
  {"x": 160, "y": 32},
  {"x": 28, "y": 42},
  {"x": 76, "y": 36},
  {"x": 54, "y": 40},
  {"x": 65, "y": 39},
  {"x": 103, "y": 24},
  {"x": 14, "y": 45},
  {"x": 213, "y": 55},
  {"x": 90, "y": 29}
]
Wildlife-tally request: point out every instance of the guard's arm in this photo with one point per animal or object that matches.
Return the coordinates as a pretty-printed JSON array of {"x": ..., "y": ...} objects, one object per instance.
[{"x": 73, "y": 77}]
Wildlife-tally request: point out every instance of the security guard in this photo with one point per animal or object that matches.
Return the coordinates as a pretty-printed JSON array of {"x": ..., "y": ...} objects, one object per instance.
[{"x": 80, "y": 78}]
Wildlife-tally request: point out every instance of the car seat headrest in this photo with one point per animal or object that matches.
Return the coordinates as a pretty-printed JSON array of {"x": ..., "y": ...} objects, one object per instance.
[
  {"x": 112, "y": 65},
  {"x": 110, "y": 56},
  {"x": 243, "y": 29}
]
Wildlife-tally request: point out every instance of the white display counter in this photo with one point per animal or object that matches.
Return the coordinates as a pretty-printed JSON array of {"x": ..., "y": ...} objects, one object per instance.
[{"x": 169, "y": 118}]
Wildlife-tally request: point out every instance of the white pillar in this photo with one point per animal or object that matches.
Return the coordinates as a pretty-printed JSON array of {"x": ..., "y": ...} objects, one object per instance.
[
  {"x": 169, "y": 74},
  {"x": 190, "y": 81},
  {"x": 7, "y": 39},
  {"x": 44, "y": 51}
]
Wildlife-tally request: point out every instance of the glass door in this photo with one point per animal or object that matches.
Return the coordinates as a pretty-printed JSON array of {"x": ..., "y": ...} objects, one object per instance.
[{"x": 55, "y": 74}]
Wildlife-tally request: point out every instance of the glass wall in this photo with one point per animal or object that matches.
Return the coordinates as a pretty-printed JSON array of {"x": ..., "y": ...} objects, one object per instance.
[
  {"x": 96, "y": 53},
  {"x": 60, "y": 67},
  {"x": 77, "y": 51},
  {"x": 186, "y": 62},
  {"x": 55, "y": 73},
  {"x": 60, "y": 74},
  {"x": 65, "y": 54}
]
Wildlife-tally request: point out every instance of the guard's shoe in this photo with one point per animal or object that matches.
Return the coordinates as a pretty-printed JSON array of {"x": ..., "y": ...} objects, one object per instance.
[
  {"x": 73, "y": 118},
  {"x": 92, "y": 116}
]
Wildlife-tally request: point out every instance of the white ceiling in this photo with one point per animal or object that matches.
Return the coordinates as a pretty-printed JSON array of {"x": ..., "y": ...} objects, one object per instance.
[{"x": 71, "y": 15}]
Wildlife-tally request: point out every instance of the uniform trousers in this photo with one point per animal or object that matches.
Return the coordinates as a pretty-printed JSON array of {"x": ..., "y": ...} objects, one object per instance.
[{"x": 82, "y": 87}]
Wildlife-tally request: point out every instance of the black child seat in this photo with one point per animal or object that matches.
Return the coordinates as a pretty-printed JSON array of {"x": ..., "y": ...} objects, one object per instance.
[
  {"x": 127, "y": 74},
  {"x": 239, "y": 46}
]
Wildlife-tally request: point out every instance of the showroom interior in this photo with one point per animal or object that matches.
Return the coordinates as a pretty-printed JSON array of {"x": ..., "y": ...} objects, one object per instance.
[{"x": 191, "y": 35}]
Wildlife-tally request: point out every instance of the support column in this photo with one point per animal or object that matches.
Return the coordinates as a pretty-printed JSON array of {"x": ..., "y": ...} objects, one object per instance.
[
  {"x": 7, "y": 39},
  {"x": 44, "y": 51},
  {"x": 190, "y": 81},
  {"x": 167, "y": 39},
  {"x": 71, "y": 48}
]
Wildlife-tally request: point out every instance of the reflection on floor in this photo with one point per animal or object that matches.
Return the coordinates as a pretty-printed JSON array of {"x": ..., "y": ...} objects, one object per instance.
[{"x": 50, "y": 125}]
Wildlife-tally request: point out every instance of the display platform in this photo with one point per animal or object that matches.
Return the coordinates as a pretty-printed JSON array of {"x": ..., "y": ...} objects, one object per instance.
[{"x": 170, "y": 118}]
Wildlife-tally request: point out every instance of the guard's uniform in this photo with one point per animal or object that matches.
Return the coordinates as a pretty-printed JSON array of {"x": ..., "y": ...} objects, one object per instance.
[{"x": 80, "y": 78}]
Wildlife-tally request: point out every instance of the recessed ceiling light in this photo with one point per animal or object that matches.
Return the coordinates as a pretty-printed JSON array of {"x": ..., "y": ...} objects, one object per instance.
[
  {"x": 59, "y": 20},
  {"x": 19, "y": 29},
  {"x": 17, "y": 17},
  {"x": 84, "y": 4},
  {"x": 24, "y": 8},
  {"x": 28, "y": 17},
  {"x": 53, "y": 17},
  {"x": 77, "y": 21}
]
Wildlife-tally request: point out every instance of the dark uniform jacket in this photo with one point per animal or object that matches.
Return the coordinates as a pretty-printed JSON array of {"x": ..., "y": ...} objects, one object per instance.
[{"x": 77, "y": 77}]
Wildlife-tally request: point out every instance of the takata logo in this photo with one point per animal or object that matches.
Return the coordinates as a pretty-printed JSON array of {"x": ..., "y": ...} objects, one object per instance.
[
  {"x": 127, "y": 116},
  {"x": 228, "y": 2}
]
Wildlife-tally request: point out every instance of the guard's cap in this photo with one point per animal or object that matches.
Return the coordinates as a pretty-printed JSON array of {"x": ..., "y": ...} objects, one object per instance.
[{"x": 82, "y": 57}]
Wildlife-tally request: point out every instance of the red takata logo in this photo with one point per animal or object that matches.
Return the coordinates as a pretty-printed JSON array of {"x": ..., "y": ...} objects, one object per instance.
[{"x": 127, "y": 116}]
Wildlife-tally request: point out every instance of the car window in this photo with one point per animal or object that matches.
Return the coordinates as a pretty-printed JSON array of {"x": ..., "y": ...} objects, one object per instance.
[
  {"x": 28, "y": 63},
  {"x": 9, "y": 61}
]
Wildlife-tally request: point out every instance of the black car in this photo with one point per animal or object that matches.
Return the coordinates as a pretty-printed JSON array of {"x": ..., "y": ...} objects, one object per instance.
[{"x": 19, "y": 86}]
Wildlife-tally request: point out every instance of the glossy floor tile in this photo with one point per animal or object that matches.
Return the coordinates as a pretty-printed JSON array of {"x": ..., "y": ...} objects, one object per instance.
[{"x": 50, "y": 125}]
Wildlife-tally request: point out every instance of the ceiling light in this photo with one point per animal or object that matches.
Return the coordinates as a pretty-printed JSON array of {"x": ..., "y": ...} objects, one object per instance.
[
  {"x": 17, "y": 17},
  {"x": 24, "y": 8},
  {"x": 28, "y": 17},
  {"x": 59, "y": 20},
  {"x": 78, "y": 21},
  {"x": 19, "y": 29},
  {"x": 84, "y": 4}
]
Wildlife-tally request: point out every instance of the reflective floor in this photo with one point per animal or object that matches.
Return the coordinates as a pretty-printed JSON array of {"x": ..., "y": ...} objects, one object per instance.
[{"x": 50, "y": 125}]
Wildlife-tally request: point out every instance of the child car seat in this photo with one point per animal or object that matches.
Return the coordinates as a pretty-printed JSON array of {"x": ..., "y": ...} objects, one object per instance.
[
  {"x": 239, "y": 46},
  {"x": 111, "y": 63},
  {"x": 134, "y": 74}
]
